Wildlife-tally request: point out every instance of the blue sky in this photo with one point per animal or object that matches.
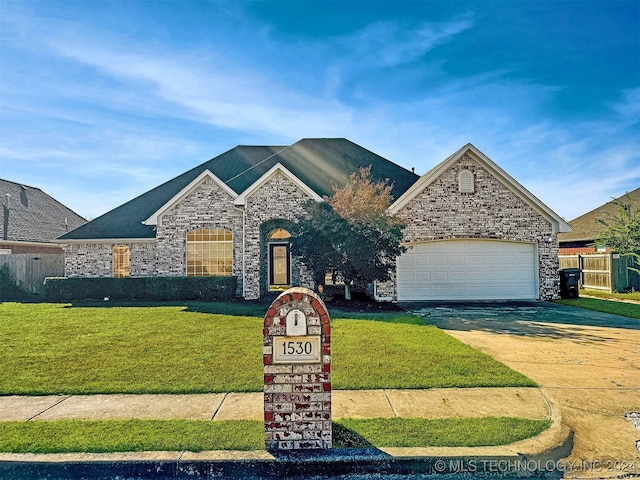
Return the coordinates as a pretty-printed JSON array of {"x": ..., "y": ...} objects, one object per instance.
[{"x": 102, "y": 100}]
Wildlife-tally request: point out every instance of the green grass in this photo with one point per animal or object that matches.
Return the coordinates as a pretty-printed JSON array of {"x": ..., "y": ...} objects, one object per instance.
[
  {"x": 53, "y": 348},
  {"x": 129, "y": 436},
  {"x": 635, "y": 296},
  {"x": 631, "y": 310},
  {"x": 197, "y": 435},
  {"x": 404, "y": 352},
  {"x": 443, "y": 432}
]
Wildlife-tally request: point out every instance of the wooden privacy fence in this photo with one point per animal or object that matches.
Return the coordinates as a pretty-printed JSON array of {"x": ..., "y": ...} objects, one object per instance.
[
  {"x": 30, "y": 269},
  {"x": 603, "y": 271}
]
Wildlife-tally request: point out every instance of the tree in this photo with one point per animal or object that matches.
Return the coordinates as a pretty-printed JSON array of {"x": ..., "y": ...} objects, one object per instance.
[
  {"x": 351, "y": 231},
  {"x": 622, "y": 234},
  {"x": 361, "y": 200}
]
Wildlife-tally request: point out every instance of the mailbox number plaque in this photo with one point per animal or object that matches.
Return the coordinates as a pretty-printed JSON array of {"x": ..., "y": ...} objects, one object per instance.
[{"x": 304, "y": 349}]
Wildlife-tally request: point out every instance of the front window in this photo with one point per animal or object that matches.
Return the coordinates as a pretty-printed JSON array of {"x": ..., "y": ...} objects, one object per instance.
[
  {"x": 209, "y": 252},
  {"x": 120, "y": 261}
]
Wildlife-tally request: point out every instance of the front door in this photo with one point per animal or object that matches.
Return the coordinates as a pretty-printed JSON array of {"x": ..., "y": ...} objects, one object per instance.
[{"x": 279, "y": 268}]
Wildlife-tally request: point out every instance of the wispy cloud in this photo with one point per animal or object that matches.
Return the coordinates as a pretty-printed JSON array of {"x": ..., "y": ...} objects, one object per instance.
[
  {"x": 120, "y": 112},
  {"x": 390, "y": 43}
]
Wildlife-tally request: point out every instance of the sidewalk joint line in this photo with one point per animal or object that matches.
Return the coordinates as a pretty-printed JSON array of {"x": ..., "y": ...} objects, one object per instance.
[
  {"x": 219, "y": 406},
  {"x": 50, "y": 407},
  {"x": 178, "y": 460},
  {"x": 549, "y": 406},
  {"x": 393, "y": 410}
]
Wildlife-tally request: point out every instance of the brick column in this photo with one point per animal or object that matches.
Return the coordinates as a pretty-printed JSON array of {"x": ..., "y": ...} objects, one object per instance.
[{"x": 297, "y": 372}]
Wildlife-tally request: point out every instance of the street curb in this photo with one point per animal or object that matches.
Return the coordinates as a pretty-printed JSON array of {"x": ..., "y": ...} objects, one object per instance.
[{"x": 536, "y": 457}]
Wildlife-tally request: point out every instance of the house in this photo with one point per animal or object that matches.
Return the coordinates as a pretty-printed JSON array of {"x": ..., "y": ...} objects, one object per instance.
[
  {"x": 32, "y": 220},
  {"x": 473, "y": 231},
  {"x": 588, "y": 227}
]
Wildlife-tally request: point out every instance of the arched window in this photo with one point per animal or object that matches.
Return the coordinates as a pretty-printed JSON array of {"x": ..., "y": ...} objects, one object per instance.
[
  {"x": 209, "y": 252},
  {"x": 466, "y": 181},
  {"x": 279, "y": 234}
]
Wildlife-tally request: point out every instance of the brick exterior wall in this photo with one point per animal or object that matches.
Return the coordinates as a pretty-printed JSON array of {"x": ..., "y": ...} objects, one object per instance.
[
  {"x": 208, "y": 206},
  {"x": 96, "y": 259},
  {"x": 278, "y": 198},
  {"x": 492, "y": 211}
]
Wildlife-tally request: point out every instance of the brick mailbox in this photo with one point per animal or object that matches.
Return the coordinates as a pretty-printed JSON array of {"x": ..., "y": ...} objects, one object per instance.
[{"x": 297, "y": 372}]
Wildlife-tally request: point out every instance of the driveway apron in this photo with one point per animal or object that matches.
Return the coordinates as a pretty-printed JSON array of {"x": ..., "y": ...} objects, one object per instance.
[{"x": 587, "y": 362}]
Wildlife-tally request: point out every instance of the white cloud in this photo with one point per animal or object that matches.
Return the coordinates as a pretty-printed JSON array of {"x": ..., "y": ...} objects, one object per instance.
[{"x": 389, "y": 43}]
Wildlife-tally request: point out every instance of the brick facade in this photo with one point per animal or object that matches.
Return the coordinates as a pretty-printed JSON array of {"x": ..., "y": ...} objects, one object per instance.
[
  {"x": 96, "y": 259},
  {"x": 277, "y": 203},
  {"x": 440, "y": 211},
  {"x": 207, "y": 206},
  {"x": 492, "y": 211},
  {"x": 277, "y": 198}
]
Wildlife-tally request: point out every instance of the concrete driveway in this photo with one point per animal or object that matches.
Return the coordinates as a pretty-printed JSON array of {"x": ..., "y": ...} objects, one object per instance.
[{"x": 587, "y": 362}]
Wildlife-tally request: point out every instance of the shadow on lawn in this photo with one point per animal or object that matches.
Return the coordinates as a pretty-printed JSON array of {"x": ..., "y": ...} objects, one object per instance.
[
  {"x": 344, "y": 437},
  {"x": 357, "y": 309},
  {"x": 541, "y": 319}
]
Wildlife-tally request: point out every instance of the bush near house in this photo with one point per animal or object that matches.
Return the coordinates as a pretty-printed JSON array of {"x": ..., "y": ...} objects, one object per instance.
[
  {"x": 9, "y": 290},
  {"x": 142, "y": 288}
]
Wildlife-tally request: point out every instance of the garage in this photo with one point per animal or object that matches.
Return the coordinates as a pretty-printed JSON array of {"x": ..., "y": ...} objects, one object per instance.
[{"x": 467, "y": 270}]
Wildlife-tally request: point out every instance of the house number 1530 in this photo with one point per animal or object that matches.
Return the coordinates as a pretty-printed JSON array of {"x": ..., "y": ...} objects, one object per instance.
[
  {"x": 301, "y": 349},
  {"x": 297, "y": 348}
]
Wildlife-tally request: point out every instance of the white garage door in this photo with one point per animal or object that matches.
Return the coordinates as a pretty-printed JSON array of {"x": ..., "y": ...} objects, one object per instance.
[{"x": 467, "y": 270}]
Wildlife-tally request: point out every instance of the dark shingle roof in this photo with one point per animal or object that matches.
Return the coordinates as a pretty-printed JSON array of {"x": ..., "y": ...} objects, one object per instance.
[
  {"x": 30, "y": 215},
  {"x": 588, "y": 227},
  {"x": 318, "y": 162}
]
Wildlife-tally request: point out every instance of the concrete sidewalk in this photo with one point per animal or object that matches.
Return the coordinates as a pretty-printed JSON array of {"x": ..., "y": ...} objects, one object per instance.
[
  {"x": 431, "y": 403},
  {"x": 533, "y": 455}
]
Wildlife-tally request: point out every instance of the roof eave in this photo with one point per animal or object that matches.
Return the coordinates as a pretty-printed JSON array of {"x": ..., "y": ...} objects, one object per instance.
[
  {"x": 241, "y": 199},
  {"x": 155, "y": 217},
  {"x": 558, "y": 224},
  {"x": 105, "y": 240}
]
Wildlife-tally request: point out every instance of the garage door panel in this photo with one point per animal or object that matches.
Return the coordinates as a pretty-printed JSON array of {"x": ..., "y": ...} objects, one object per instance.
[
  {"x": 440, "y": 277},
  {"x": 467, "y": 269},
  {"x": 422, "y": 277}
]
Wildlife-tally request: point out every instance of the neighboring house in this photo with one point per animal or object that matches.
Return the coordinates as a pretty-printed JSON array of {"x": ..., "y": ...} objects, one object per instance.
[
  {"x": 588, "y": 227},
  {"x": 32, "y": 220},
  {"x": 473, "y": 231}
]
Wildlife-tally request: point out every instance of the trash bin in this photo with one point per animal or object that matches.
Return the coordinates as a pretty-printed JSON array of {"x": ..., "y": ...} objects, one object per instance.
[{"x": 569, "y": 282}]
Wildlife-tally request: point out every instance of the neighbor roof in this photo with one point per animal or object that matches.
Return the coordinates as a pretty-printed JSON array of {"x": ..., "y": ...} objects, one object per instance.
[
  {"x": 588, "y": 227},
  {"x": 30, "y": 215},
  {"x": 320, "y": 163}
]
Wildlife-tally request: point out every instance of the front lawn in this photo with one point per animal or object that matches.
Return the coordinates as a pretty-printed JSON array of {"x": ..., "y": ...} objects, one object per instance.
[
  {"x": 631, "y": 310},
  {"x": 54, "y": 348},
  {"x": 197, "y": 435}
]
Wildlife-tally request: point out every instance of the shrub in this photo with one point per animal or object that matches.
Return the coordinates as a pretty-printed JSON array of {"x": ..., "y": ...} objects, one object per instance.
[
  {"x": 143, "y": 288},
  {"x": 9, "y": 289}
]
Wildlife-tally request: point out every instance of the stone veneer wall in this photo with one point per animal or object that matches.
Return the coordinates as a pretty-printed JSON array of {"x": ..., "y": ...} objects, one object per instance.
[
  {"x": 208, "y": 206},
  {"x": 280, "y": 198},
  {"x": 96, "y": 259},
  {"x": 493, "y": 211}
]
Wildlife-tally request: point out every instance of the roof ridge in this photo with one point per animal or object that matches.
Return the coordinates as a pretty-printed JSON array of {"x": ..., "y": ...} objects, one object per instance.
[{"x": 254, "y": 166}]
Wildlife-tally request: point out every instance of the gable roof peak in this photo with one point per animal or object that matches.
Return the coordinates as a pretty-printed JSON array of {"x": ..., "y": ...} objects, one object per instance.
[{"x": 557, "y": 222}]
